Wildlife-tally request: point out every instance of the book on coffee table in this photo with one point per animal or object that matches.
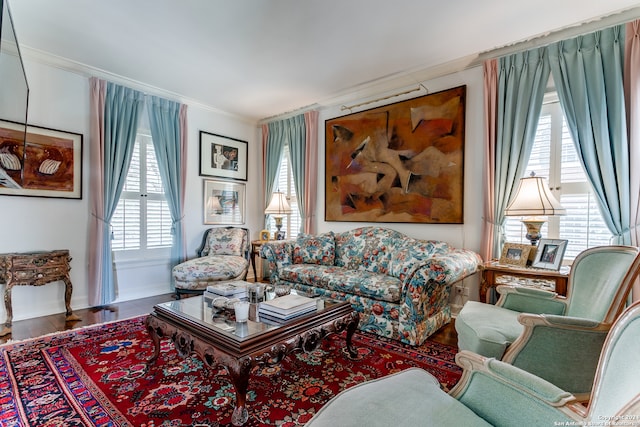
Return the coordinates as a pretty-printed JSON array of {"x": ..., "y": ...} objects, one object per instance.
[
  {"x": 228, "y": 289},
  {"x": 278, "y": 319},
  {"x": 288, "y": 304}
]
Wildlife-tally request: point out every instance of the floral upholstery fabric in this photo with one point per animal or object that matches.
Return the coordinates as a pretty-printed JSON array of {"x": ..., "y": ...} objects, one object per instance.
[
  {"x": 225, "y": 241},
  {"x": 399, "y": 285},
  {"x": 198, "y": 273},
  {"x": 223, "y": 255},
  {"x": 310, "y": 249}
]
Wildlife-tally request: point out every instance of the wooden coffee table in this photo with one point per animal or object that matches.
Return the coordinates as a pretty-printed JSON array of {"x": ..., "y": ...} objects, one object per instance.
[{"x": 194, "y": 327}]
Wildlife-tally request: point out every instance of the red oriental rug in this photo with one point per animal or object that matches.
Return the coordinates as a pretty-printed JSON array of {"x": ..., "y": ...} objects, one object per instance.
[{"x": 95, "y": 377}]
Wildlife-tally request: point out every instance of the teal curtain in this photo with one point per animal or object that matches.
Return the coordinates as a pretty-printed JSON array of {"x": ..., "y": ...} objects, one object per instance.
[
  {"x": 274, "y": 147},
  {"x": 297, "y": 131},
  {"x": 121, "y": 115},
  {"x": 164, "y": 121},
  {"x": 522, "y": 79},
  {"x": 588, "y": 73}
]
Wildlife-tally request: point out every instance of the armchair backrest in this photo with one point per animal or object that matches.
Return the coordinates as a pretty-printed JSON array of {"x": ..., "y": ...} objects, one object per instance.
[
  {"x": 225, "y": 241},
  {"x": 600, "y": 281},
  {"x": 616, "y": 389}
]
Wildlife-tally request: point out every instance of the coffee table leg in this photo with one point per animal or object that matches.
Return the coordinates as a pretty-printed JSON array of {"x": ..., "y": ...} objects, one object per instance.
[
  {"x": 352, "y": 325},
  {"x": 239, "y": 374},
  {"x": 156, "y": 342}
]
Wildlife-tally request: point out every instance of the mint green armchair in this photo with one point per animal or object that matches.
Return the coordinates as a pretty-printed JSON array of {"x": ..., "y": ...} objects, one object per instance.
[
  {"x": 555, "y": 338},
  {"x": 494, "y": 393}
]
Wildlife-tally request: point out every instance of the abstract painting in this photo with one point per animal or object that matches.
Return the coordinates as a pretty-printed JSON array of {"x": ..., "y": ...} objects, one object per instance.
[
  {"x": 47, "y": 164},
  {"x": 402, "y": 162}
]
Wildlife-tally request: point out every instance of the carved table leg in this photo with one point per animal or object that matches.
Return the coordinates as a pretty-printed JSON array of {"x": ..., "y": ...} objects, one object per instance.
[
  {"x": 6, "y": 329},
  {"x": 351, "y": 329},
  {"x": 68, "y": 289},
  {"x": 156, "y": 341},
  {"x": 239, "y": 374}
]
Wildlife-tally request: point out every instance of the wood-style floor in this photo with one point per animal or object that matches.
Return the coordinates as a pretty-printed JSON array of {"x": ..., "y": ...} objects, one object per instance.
[{"x": 31, "y": 328}]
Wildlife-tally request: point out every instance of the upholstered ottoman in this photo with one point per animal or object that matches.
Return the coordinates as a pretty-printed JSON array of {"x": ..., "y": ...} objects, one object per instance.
[{"x": 409, "y": 398}]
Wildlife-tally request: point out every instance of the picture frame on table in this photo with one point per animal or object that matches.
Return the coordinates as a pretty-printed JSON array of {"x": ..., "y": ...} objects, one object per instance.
[
  {"x": 515, "y": 254},
  {"x": 265, "y": 236},
  {"x": 223, "y": 202},
  {"x": 223, "y": 156},
  {"x": 281, "y": 235},
  {"x": 43, "y": 162},
  {"x": 550, "y": 254}
]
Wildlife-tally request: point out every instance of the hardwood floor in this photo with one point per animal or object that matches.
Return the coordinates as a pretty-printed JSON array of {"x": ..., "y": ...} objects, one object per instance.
[{"x": 31, "y": 328}]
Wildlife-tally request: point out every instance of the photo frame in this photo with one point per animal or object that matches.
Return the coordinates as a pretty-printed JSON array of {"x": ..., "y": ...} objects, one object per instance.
[
  {"x": 281, "y": 235},
  {"x": 265, "y": 236},
  {"x": 223, "y": 156},
  {"x": 398, "y": 163},
  {"x": 223, "y": 202},
  {"x": 550, "y": 254},
  {"x": 48, "y": 163},
  {"x": 515, "y": 254}
]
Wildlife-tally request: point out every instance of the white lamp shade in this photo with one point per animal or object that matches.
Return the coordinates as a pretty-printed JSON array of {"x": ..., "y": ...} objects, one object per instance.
[
  {"x": 278, "y": 205},
  {"x": 533, "y": 198}
]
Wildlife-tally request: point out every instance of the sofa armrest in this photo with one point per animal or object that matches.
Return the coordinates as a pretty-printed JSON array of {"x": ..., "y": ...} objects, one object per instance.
[
  {"x": 526, "y": 396},
  {"x": 278, "y": 254},
  {"x": 530, "y": 300},
  {"x": 438, "y": 272}
]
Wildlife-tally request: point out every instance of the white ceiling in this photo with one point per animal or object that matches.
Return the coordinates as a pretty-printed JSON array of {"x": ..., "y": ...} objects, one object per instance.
[{"x": 261, "y": 58}]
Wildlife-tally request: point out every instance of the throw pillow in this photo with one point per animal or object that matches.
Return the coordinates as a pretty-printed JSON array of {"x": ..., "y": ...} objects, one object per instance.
[{"x": 310, "y": 249}]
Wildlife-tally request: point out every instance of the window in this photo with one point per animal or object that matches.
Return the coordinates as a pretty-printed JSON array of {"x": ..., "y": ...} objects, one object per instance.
[
  {"x": 142, "y": 220},
  {"x": 291, "y": 223},
  {"x": 554, "y": 157}
]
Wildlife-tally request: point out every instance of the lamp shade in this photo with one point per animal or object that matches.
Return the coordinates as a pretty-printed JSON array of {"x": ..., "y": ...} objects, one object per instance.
[
  {"x": 534, "y": 198},
  {"x": 213, "y": 205},
  {"x": 278, "y": 204}
]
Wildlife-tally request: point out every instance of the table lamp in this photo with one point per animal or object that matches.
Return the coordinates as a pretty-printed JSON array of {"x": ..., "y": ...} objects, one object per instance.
[
  {"x": 213, "y": 205},
  {"x": 278, "y": 208},
  {"x": 533, "y": 200}
]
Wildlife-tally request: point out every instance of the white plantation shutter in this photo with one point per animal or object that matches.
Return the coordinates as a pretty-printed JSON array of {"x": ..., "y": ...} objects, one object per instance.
[
  {"x": 554, "y": 157},
  {"x": 284, "y": 182},
  {"x": 142, "y": 219}
]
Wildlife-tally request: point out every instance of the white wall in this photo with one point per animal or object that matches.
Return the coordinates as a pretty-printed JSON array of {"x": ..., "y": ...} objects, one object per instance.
[{"x": 59, "y": 99}]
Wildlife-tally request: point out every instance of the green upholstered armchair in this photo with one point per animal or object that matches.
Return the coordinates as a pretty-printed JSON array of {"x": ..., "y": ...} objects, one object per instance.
[
  {"x": 555, "y": 338},
  {"x": 492, "y": 392}
]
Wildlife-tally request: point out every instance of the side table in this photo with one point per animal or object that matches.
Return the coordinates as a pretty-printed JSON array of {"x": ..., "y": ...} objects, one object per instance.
[
  {"x": 493, "y": 273},
  {"x": 35, "y": 269},
  {"x": 255, "y": 250}
]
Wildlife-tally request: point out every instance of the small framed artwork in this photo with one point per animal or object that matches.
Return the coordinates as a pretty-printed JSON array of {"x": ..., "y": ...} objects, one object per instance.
[
  {"x": 515, "y": 254},
  {"x": 222, "y": 156},
  {"x": 280, "y": 235},
  {"x": 550, "y": 254},
  {"x": 223, "y": 202},
  {"x": 265, "y": 235},
  {"x": 48, "y": 163}
]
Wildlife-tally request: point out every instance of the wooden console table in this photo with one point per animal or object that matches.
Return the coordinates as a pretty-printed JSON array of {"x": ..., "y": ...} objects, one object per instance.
[
  {"x": 35, "y": 269},
  {"x": 492, "y": 271}
]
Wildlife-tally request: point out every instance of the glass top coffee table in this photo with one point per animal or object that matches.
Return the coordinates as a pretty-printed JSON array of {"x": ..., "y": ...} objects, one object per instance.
[{"x": 195, "y": 326}]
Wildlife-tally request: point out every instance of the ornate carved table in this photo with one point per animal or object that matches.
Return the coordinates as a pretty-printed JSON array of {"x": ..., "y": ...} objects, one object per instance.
[
  {"x": 35, "y": 269},
  {"x": 195, "y": 327}
]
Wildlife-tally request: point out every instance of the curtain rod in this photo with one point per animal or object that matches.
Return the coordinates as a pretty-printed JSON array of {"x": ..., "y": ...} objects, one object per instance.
[{"x": 351, "y": 107}]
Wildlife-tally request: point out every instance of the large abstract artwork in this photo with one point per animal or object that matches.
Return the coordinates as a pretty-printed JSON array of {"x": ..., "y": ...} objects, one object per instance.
[{"x": 399, "y": 163}]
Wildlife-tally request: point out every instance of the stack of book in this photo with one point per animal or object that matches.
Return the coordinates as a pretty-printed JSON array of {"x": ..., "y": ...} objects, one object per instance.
[
  {"x": 227, "y": 289},
  {"x": 286, "y": 307}
]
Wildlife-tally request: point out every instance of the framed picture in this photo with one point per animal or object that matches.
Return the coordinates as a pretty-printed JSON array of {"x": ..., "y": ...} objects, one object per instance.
[
  {"x": 222, "y": 156},
  {"x": 47, "y": 164},
  {"x": 223, "y": 202},
  {"x": 515, "y": 254},
  {"x": 401, "y": 163},
  {"x": 280, "y": 235},
  {"x": 265, "y": 236},
  {"x": 550, "y": 254}
]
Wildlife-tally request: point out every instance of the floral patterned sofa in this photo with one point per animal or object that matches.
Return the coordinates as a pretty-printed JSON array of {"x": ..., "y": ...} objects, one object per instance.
[{"x": 398, "y": 284}]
